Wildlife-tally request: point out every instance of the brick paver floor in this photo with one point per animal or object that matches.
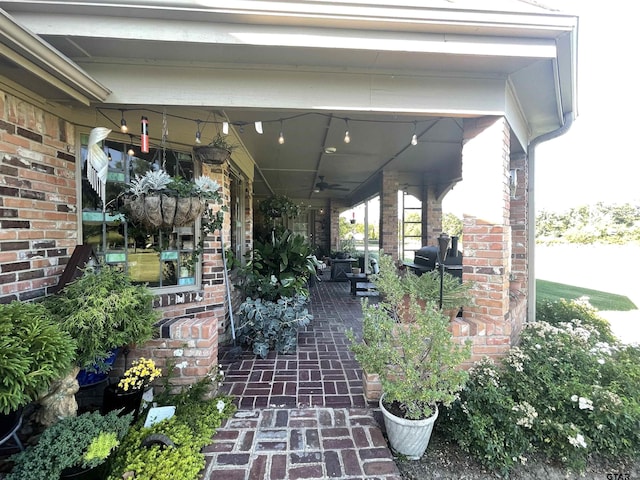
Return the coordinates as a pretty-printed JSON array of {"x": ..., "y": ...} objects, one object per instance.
[{"x": 303, "y": 416}]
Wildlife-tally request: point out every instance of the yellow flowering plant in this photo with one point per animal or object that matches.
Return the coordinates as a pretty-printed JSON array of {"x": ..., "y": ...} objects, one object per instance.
[{"x": 140, "y": 375}]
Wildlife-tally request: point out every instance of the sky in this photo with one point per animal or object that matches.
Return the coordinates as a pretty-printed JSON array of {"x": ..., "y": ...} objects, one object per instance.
[{"x": 596, "y": 159}]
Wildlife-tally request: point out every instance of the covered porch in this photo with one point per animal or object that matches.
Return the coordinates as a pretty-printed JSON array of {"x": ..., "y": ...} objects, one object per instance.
[{"x": 329, "y": 103}]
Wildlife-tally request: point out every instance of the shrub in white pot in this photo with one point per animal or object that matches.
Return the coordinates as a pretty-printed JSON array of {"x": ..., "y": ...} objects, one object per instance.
[{"x": 419, "y": 368}]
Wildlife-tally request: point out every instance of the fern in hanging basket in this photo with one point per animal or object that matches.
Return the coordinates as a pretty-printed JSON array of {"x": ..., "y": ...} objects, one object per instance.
[
  {"x": 158, "y": 200},
  {"x": 278, "y": 206}
]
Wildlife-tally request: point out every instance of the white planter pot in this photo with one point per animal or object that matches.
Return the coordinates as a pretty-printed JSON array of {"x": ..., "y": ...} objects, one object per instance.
[{"x": 408, "y": 437}]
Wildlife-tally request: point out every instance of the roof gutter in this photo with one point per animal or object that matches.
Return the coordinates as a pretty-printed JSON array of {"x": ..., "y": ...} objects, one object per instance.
[
  {"x": 33, "y": 54},
  {"x": 531, "y": 241}
]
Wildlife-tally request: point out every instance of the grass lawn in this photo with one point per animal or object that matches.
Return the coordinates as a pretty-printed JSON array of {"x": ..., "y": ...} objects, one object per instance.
[{"x": 551, "y": 291}]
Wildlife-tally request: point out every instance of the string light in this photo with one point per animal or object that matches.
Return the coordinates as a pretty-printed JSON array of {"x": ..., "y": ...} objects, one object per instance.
[
  {"x": 281, "y": 137},
  {"x": 259, "y": 124},
  {"x": 414, "y": 139},
  {"x": 123, "y": 124},
  {"x": 198, "y": 133},
  {"x": 347, "y": 138},
  {"x": 131, "y": 152}
]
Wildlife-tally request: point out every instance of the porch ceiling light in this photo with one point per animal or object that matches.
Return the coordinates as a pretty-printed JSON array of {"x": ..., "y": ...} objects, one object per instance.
[{"x": 123, "y": 123}]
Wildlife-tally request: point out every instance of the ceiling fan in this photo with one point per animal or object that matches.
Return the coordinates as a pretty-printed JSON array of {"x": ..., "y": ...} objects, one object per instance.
[{"x": 322, "y": 185}]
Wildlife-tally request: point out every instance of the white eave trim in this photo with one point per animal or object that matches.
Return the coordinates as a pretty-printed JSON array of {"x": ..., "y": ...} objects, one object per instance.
[{"x": 32, "y": 53}]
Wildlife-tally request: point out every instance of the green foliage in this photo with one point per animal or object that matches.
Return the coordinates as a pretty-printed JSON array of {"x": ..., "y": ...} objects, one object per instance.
[
  {"x": 195, "y": 421},
  {"x": 279, "y": 267},
  {"x": 565, "y": 391},
  {"x": 65, "y": 443},
  {"x": 599, "y": 223},
  {"x": 103, "y": 310},
  {"x": 221, "y": 142},
  {"x": 417, "y": 362},
  {"x": 394, "y": 286},
  {"x": 566, "y": 311},
  {"x": 278, "y": 206},
  {"x": 34, "y": 351},
  {"x": 267, "y": 325},
  {"x": 101, "y": 446},
  {"x": 452, "y": 225}
]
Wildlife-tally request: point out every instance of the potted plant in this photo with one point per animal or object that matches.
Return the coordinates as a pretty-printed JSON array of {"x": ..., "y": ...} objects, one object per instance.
[
  {"x": 418, "y": 364},
  {"x": 273, "y": 325},
  {"x": 274, "y": 282},
  {"x": 158, "y": 200},
  {"x": 34, "y": 352},
  {"x": 74, "y": 447},
  {"x": 278, "y": 267},
  {"x": 218, "y": 151},
  {"x": 103, "y": 310},
  {"x": 278, "y": 206},
  {"x": 396, "y": 287},
  {"x": 126, "y": 395}
]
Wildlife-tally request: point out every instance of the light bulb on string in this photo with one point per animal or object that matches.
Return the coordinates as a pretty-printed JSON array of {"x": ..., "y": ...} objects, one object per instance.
[
  {"x": 414, "y": 139},
  {"x": 198, "y": 133},
  {"x": 347, "y": 138},
  {"x": 131, "y": 152},
  {"x": 281, "y": 137},
  {"x": 123, "y": 124}
]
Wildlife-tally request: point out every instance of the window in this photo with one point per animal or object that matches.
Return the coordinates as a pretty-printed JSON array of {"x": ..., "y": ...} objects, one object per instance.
[
  {"x": 159, "y": 258},
  {"x": 237, "y": 216},
  {"x": 411, "y": 225}
]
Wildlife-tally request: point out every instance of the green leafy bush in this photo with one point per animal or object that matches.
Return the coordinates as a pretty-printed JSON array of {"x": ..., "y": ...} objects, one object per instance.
[
  {"x": 564, "y": 311},
  {"x": 417, "y": 362},
  {"x": 195, "y": 421},
  {"x": 273, "y": 325},
  {"x": 34, "y": 351},
  {"x": 65, "y": 445},
  {"x": 103, "y": 310},
  {"x": 565, "y": 391},
  {"x": 278, "y": 267},
  {"x": 394, "y": 286}
]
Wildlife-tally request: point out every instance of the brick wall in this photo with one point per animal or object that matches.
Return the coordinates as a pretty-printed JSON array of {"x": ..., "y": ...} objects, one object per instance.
[
  {"x": 335, "y": 207},
  {"x": 487, "y": 237},
  {"x": 39, "y": 231},
  {"x": 38, "y": 213},
  {"x": 389, "y": 214},
  {"x": 431, "y": 216}
]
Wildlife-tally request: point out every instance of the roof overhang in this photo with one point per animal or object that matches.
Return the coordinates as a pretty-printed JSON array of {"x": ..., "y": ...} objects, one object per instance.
[{"x": 28, "y": 60}]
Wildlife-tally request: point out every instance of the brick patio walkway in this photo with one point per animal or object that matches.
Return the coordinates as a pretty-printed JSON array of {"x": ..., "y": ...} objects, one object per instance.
[{"x": 303, "y": 416}]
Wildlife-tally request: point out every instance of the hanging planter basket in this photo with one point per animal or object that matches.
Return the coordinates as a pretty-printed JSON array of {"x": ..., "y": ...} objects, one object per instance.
[
  {"x": 212, "y": 154},
  {"x": 164, "y": 211}
]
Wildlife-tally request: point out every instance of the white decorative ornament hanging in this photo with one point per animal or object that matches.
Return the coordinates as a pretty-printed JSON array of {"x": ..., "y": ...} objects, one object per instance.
[{"x": 97, "y": 162}]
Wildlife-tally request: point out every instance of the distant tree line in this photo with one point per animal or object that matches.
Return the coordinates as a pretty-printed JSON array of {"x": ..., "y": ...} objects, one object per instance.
[{"x": 599, "y": 223}]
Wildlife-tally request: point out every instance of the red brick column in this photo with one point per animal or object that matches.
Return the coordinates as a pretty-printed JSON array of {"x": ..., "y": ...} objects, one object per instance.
[
  {"x": 518, "y": 215},
  {"x": 431, "y": 216},
  {"x": 335, "y": 208},
  {"x": 487, "y": 235},
  {"x": 389, "y": 213}
]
